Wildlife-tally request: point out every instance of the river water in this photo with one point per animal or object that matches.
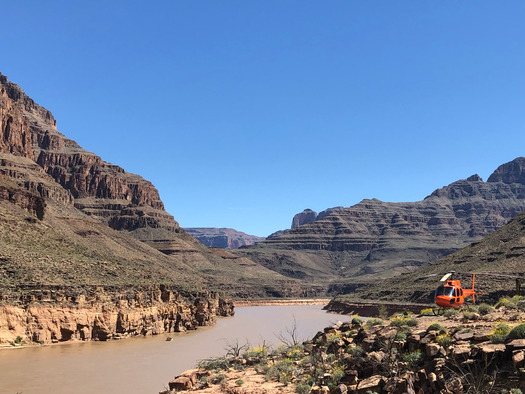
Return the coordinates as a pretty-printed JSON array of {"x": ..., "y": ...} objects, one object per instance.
[{"x": 144, "y": 365}]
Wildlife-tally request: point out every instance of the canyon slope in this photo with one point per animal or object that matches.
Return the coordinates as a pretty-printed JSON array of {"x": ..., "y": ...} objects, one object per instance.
[
  {"x": 497, "y": 260},
  {"x": 374, "y": 239},
  {"x": 68, "y": 218},
  {"x": 226, "y": 238}
]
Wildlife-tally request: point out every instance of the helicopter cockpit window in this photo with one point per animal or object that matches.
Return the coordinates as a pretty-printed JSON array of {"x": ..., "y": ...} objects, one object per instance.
[{"x": 445, "y": 291}]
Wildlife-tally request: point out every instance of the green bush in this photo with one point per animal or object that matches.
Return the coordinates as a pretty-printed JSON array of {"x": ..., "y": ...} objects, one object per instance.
[
  {"x": 469, "y": 315},
  {"x": 401, "y": 322},
  {"x": 356, "y": 351},
  {"x": 427, "y": 312},
  {"x": 413, "y": 358},
  {"x": 450, "y": 312},
  {"x": 444, "y": 340},
  {"x": 517, "y": 332},
  {"x": 499, "y": 333},
  {"x": 256, "y": 352},
  {"x": 437, "y": 327},
  {"x": 372, "y": 322},
  {"x": 485, "y": 309},
  {"x": 509, "y": 303},
  {"x": 214, "y": 364},
  {"x": 239, "y": 382},
  {"x": 302, "y": 388},
  {"x": 282, "y": 371},
  {"x": 357, "y": 320}
]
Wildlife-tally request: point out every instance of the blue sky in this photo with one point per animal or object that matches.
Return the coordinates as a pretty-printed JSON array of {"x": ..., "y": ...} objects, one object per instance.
[{"x": 243, "y": 113}]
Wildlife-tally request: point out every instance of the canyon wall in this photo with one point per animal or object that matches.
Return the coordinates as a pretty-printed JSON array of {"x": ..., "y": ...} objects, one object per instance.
[
  {"x": 375, "y": 239},
  {"x": 57, "y": 314}
]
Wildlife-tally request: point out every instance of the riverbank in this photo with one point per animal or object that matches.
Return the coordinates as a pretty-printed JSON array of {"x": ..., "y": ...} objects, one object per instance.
[
  {"x": 106, "y": 314},
  {"x": 479, "y": 349},
  {"x": 282, "y": 302},
  {"x": 139, "y": 365}
]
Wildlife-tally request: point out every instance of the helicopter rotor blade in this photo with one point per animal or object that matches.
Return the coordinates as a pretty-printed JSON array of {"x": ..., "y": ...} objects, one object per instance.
[{"x": 446, "y": 276}]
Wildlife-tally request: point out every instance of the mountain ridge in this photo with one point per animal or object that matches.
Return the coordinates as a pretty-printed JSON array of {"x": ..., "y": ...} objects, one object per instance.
[{"x": 376, "y": 239}]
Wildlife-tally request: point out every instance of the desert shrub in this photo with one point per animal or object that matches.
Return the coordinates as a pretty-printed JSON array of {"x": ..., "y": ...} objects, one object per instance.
[
  {"x": 372, "y": 322},
  {"x": 282, "y": 371},
  {"x": 427, "y": 312},
  {"x": 336, "y": 375},
  {"x": 219, "y": 378},
  {"x": 401, "y": 322},
  {"x": 413, "y": 358},
  {"x": 296, "y": 353},
  {"x": 239, "y": 382},
  {"x": 357, "y": 320},
  {"x": 517, "y": 332},
  {"x": 485, "y": 309},
  {"x": 302, "y": 388},
  {"x": 444, "y": 340},
  {"x": 499, "y": 333},
  {"x": 400, "y": 336},
  {"x": 356, "y": 351},
  {"x": 450, "y": 312},
  {"x": 437, "y": 327},
  {"x": 509, "y": 303},
  {"x": 469, "y": 315},
  {"x": 214, "y": 364},
  {"x": 257, "y": 352}
]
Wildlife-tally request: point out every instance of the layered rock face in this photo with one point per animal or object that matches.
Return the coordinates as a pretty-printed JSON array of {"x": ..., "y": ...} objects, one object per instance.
[
  {"x": 69, "y": 218},
  {"x": 94, "y": 313},
  {"x": 226, "y": 238},
  {"x": 375, "y": 238},
  {"x": 124, "y": 201}
]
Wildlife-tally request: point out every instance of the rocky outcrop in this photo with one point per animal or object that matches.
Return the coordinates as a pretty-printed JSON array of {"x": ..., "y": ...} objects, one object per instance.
[
  {"x": 305, "y": 217},
  {"x": 24, "y": 199},
  {"x": 379, "y": 239},
  {"x": 464, "y": 353},
  {"x": 93, "y": 313},
  {"x": 226, "y": 238}
]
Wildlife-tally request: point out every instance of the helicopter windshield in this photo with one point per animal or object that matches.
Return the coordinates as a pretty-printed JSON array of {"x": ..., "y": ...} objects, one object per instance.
[{"x": 444, "y": 291}]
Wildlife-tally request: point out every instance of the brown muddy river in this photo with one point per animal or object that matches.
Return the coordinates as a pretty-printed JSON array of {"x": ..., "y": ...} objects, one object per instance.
[{"x": 145, "y": 365}]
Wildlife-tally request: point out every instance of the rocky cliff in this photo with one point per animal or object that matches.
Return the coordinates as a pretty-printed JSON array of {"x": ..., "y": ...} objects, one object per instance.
[
  {"x": 69, "y": 218},
  {"x": 226, "y": 238},
  {"x": 56, "y": 314},
  {"x": 376, "y": 239}
]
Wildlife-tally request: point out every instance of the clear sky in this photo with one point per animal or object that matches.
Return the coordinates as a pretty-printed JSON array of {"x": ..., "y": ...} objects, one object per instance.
[{"x": 243, "y": 113}]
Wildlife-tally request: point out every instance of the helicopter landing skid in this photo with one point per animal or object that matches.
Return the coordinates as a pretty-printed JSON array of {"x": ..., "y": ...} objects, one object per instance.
[{"x": 438, "y": 311}]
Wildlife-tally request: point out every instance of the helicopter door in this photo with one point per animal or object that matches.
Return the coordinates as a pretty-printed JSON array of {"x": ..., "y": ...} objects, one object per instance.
[{"x": 456, "y": 294}]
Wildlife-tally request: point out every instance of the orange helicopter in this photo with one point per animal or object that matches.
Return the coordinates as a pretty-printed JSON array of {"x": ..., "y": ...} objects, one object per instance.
[{"x": 451, "y": 294}]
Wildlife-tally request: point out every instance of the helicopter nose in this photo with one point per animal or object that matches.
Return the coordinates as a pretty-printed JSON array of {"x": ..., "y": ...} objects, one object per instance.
[{"x": 442, "y": 301}]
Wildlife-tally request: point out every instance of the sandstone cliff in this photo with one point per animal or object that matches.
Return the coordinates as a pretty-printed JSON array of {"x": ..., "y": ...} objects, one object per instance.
[
  {"x": 56, "y": 314},
  {"x": 226, "y": 238},
  {"x": 379, "y": 239}
]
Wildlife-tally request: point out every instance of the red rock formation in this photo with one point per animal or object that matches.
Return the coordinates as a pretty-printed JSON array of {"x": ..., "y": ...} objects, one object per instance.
[{"x": 125, "y": 201}]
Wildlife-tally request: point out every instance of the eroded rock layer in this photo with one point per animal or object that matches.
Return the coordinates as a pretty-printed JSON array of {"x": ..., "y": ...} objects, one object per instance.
[{"x": 54, "y": 314}]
